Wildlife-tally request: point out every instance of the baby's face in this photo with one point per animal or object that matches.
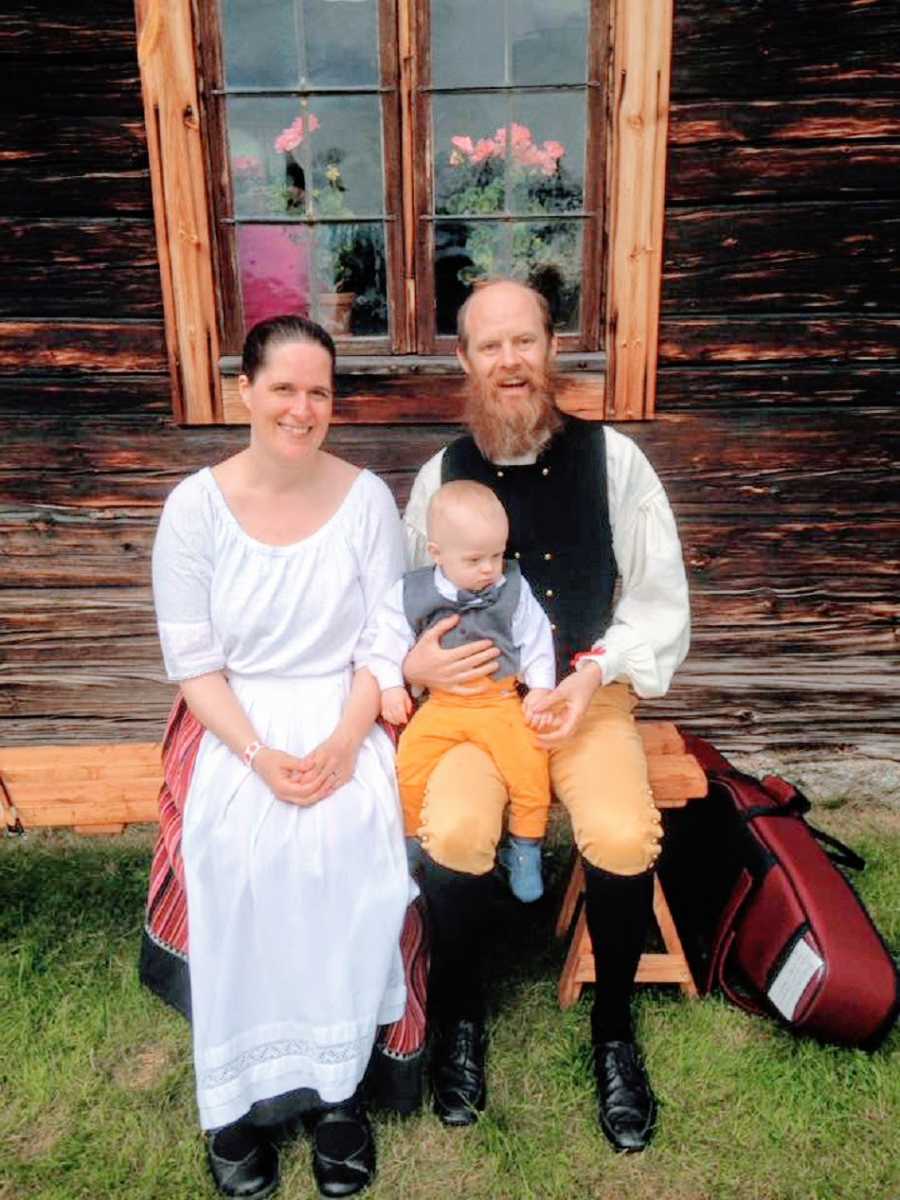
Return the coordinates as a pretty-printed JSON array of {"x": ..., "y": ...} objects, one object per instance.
[{"x": 470, "y": 552}]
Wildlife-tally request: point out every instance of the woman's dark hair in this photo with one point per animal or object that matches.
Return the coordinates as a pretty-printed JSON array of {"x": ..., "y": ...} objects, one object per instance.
[{"x": 275, "y": 331}]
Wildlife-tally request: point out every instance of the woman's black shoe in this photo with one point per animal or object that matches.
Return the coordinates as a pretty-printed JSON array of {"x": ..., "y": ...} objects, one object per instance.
[
  {"x": 252, "y": 1178},
  {"x": 343, "y": 1150}
]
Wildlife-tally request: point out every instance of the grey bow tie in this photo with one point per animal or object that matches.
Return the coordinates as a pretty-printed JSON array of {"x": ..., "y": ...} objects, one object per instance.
[{"x": 483, "y": 599}]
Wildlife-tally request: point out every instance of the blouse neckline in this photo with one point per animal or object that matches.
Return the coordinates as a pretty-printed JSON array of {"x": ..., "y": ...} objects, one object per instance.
[{"x": 267, "y": 547}]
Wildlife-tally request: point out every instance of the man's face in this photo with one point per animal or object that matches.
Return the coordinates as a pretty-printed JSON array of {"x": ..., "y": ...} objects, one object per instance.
[
  {"x": 507, "y": 348},
  {"x": 509, "y": 363}
]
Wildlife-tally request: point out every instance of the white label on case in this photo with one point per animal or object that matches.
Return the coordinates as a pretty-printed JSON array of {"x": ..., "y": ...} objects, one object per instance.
[{"x": 792, "y": 980}]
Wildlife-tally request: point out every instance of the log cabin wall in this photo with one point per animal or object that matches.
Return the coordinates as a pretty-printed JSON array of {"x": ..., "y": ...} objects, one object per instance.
[{"x": 777, "y": 434}]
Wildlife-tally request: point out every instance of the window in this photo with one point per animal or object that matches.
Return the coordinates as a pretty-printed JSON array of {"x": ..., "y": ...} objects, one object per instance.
[
  {"x": 366, "y": 161},
  {"x": 370, "y": 189}
]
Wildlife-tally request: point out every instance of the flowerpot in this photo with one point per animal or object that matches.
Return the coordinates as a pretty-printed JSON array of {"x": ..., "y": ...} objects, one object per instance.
[{"x": 335, "y": 310}]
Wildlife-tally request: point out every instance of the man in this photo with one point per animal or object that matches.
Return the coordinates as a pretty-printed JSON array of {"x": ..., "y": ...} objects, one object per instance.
[{"x": 584, "y": 507}]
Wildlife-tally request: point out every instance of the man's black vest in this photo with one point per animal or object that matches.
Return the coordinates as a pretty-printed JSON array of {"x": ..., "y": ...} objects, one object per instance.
[{"x": 559, "y": 529}]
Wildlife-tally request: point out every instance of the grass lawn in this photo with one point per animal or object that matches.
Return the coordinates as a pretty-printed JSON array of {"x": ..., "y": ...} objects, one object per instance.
[{"x": 97, "y": 1087}]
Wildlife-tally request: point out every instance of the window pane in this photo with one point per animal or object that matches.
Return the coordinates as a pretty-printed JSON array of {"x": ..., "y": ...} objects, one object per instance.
[
  {"x": 469, "y": 155},
  {"x": 290, "y": 43},
  {"x": 275, "y": 264},
  {"x": 259, "y": 43},
  {"x": 342, "y": 42},
  {"x": 335, "y": 273},
  {"x": 548, "y": 41},
  {"x": 489, "y": 42},
  {"x": 520, "y": 153},
  {"x": 350, "y": 279},
  {"x": 467, "y": 43},
  {"x": 279, "y": 145},
  {"x": 545, "y": 254}
]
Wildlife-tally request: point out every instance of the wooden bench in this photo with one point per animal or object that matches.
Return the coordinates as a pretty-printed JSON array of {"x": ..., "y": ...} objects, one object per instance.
[
  {"x": 95, "y": 788},
  {"x": 675, "y": 778}
]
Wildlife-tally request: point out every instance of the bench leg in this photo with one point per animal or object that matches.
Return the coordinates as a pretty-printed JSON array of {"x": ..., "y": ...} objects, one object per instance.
[
  {"x": 570, "y": 901},
  {"x": 670, "y": 937}
]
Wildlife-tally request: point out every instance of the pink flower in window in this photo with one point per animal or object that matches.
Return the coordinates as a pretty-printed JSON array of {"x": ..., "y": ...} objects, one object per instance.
[
  {"x": 290, "y": 138},
  {"x": 464, "y": 144},
  {"x": 248, "y": 166},
  {"x": 555, "y": 149},
  {"x": 521, "y": 135},
  {"x": 485, "y": 148}
]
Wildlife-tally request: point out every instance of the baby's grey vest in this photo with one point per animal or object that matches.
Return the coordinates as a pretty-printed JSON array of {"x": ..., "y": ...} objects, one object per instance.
[
  {"x": 559, "y": 530},
  {"x": 487, "y": 614}
]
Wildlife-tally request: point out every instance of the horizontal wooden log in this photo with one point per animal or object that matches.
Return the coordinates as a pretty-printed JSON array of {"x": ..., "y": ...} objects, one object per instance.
[
  {"x": 49, "y": 631},
  {"x": 403, "y": 399},
  {"x": 70, "y": 345},
  {"x": 765, "y": 338},
  {"x": 828, "y": 171},
  {"x": 128, "y": 401},
  {"x": 757, "y": 49},
  {"x": 822, "y": 119},
  {"x": 80, "y": 268},
  {"x": 39, "y": 28},
  {"x": 98, "y": 85},
  {"x": 690, "y": 389},
  {"x": 783, "y": 258}
]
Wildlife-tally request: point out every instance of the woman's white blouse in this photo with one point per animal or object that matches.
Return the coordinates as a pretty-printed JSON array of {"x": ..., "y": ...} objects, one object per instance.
[
  {"x": 650, "y": 632},
  {"x": 227, "y": 601}
]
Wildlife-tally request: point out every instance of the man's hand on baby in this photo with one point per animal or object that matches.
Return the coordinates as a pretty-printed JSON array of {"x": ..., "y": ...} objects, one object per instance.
[
  {"x": 458, "y": 670},
  {"x": 396, "y": 705},
  {"x": 536, "y": 718}
]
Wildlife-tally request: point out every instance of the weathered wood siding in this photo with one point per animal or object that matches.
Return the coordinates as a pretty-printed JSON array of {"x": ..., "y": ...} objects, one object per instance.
[{"x": 778, "y": 432}]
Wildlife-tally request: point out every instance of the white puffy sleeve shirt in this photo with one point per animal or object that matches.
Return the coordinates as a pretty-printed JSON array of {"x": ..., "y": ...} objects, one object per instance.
[
  {"x": 649, "y": 634},
  {"x": 225, "y": 601}
]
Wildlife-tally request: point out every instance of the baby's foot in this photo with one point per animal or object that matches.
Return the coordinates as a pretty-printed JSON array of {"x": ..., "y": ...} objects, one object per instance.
[{"x": 521, "y": 858}]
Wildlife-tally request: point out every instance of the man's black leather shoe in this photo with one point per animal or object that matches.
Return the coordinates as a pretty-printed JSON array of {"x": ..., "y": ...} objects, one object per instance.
[
  {"x": 347, "y": 1174},
  {"x": 252, "y": 1178},
  {"x": 457, "y": 1072},
  {"x": 626, "y": 1104}
]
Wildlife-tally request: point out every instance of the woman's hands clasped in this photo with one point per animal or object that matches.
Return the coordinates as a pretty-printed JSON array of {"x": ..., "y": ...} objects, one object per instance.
[{"x": 306, "y": 781}]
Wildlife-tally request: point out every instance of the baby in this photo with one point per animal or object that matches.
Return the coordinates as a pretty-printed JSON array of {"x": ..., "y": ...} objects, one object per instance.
[{"x": 467, "y": 532}]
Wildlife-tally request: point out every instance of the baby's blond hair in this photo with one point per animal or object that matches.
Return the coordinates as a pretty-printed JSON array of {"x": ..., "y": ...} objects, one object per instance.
[{"x": 455, "y": 501}]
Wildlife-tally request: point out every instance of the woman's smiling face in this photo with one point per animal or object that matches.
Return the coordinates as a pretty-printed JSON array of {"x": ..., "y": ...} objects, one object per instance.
[{"x": 290, "y": 398}]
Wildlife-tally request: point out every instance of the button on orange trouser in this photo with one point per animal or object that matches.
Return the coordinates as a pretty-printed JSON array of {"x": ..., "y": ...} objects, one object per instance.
[
  {"x": 599, "y": 775},
  {"x": 494, "y": 722}
]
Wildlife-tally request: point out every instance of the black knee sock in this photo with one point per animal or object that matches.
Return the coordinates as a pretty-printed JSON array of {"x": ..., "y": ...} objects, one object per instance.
[
  {"x": 458, "y": 910},
  {"x": 235, "y": 1141},
  {"x": 618, "y": 910}
]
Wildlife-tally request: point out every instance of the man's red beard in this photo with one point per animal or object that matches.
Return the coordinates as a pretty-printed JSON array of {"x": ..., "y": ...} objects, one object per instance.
[{"x": 505, "y": 429}]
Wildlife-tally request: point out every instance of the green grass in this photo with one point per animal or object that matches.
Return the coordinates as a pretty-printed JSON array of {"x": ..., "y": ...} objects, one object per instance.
[{"x": 97, "y": 1088}]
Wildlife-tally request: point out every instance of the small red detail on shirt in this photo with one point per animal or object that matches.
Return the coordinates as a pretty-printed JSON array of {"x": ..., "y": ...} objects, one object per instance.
[{"x": 576, "y": 658}]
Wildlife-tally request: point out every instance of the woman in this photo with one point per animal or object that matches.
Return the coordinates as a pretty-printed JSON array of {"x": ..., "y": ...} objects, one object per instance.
[{"x": 266, "y": 569}]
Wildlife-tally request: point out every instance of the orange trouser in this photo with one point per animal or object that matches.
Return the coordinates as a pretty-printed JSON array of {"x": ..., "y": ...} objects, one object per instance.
[
  {"x": 492, "y": 720},
  {"x": 599, "y": 775}
]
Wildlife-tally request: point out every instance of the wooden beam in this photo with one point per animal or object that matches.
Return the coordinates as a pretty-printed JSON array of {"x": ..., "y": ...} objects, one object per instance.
[
  {"x": 167, "y": 59},
  {"x": 110, "y": 784},
  {"x": 638, "y": 126},
  {"x": 419, "y": 399}
]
